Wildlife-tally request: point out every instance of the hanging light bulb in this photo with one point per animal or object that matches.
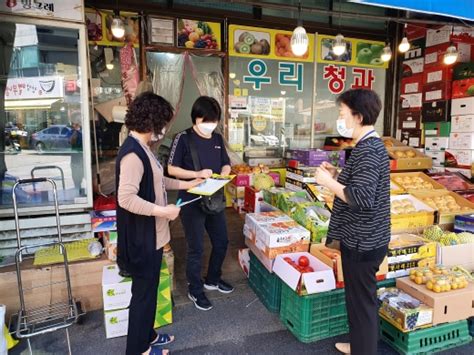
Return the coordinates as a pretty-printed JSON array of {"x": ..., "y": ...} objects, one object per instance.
[
  {"x": 109, "y": 66},
  {"x": 451, "y": 55},
  {"x": 386, "y": 53},
  {"x": 404, "y": 45},
  {"x": 299, "y": 41},
  {"x": 339, "y": 45},
  {"x": 117, "y": 27}
]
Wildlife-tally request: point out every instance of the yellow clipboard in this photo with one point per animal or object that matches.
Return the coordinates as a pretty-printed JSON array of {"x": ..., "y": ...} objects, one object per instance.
[{"x": 211, "y": 185}]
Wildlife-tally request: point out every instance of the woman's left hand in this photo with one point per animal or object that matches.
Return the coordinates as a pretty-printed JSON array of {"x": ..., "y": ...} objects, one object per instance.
[{"x": 323, "y": 176}]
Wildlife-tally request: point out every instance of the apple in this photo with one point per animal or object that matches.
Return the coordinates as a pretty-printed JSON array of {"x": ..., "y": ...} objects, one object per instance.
[{"x": 303, "y": 261}]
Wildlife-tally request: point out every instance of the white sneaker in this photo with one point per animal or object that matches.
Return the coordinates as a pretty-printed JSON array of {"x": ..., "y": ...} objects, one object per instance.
[{"x": 344, "y": 348}]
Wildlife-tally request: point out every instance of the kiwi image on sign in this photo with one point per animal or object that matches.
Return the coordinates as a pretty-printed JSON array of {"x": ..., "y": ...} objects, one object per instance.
[
  {"x": 368, "y": 53},
  {"x": 249, "y": 42}
]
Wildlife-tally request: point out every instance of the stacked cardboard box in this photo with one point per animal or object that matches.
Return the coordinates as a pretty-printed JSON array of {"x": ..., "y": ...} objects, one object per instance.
[
  {"x": 460, "y": 155},
  {"x": 117, "y": 293}
]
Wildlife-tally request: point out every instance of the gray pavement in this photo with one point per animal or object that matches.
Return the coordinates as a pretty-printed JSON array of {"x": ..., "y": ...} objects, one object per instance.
[{"x": 238, "y": 324}]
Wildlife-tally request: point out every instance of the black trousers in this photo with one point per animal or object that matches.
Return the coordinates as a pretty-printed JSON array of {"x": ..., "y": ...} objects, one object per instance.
[
  {"x": 361, "y": 300},
  {"x": 142, "y": 311},
  {"x": 195, "y": 223}
]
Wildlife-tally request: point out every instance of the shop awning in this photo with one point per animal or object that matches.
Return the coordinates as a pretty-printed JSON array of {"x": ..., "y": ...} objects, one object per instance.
[
  {"x": 11, "y": 105},
  {"x": 461, "y": 9}
]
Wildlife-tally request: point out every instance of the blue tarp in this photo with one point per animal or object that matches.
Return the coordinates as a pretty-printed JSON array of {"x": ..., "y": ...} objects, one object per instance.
[{"x": 461, "y": 9}]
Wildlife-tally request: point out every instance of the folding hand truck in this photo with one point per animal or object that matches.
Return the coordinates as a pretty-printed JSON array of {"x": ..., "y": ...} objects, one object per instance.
[{"x": 53, "y": 316}]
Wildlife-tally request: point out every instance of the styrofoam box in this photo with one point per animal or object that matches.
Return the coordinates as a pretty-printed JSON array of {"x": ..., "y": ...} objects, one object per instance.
[
  {"x": 321, "y": 280},
  {"x": 461, "y": 140},
  {"x": 462, "y": 124},
  {"x": 463, "y": 157},
  {"x": 116, "y": 290},
  {"x": 116, "y": 323},
  {"x": 464, "y": 106},
  {"x": 436, "y": 143},
  {"x": 253, "y": 220},
  {"x": 437, "y": 156},
  {"x": 274, "y": 235}
]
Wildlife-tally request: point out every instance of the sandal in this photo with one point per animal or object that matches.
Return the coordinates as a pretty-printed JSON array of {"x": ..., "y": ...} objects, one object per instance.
[{"x": 162, "y": 339}]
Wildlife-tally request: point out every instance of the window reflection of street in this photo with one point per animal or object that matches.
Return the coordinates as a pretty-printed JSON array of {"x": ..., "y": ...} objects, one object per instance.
[{"x": 31, "y": 159}]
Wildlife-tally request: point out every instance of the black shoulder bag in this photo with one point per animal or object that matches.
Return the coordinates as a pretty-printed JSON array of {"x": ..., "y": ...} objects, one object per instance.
[{"x": 215, "y": 203}]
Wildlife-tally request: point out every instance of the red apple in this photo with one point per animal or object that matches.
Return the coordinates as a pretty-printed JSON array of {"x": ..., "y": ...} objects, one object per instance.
[{"x": 303, "y": 261}]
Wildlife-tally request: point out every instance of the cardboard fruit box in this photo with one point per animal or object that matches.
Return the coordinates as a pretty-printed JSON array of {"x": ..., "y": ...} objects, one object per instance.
[
  {"x": 332, "y": 258},
  {"x": 443, "y": 216},
  {"x": 266, "y": 262},
  {"x": 253, "y": 220},
  {"x": 422, "y": 217},
  {"x": 402, "y": 269},
  {"x": 407, "y": 247},
  {"x": 403, "y": 311},
  {"x": 407, "y": 158},
  {"x": 321, "y": 280},
  {"x": 457, "y": 255},
  {"x": 276, "y": 238},
  {"x": 403, "y": 180},
  {"x": 449, "y": 306}
]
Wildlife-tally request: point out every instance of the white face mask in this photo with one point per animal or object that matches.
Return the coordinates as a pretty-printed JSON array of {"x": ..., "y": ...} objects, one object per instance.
[
  {"x": 207, "y": 128},
  {"x": 158, "y": 137},
  {"x": 342, "y": 128}
]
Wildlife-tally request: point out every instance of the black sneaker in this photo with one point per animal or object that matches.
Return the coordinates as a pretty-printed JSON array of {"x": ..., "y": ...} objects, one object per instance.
[
  {"x": 200, "y": 301},
  {"x": 221, "y": 286}
]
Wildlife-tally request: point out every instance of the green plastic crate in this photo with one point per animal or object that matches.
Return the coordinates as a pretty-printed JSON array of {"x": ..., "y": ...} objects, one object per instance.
[
  {"x": 424, "y": 341},
  {"x": 266, "y": 285},
  {"x": 314, "y": 317},
  {"x": 386, "y": 283}
]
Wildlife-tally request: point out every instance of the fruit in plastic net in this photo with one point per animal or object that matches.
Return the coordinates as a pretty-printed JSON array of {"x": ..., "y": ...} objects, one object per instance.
[
  {"x": 465, "y": 238},
  {"x": 433, "y": 233},
  {"x": 449, "y": 239},
  {"x": 263, "y": 182}
]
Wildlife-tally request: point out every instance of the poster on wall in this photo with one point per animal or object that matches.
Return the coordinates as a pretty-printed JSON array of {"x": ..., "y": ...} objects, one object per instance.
[
  {"x": 161, "y": 31},
  {"x": 99, "y": 28},
  {"x": 358, "y": 52},
  {"x": 72, "y": 10},
  {"x": 194, "y": 34},
  {"x": 254, "y": 42}
]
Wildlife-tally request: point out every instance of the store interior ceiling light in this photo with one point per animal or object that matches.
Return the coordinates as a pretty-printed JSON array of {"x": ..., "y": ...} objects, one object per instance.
[
  {"x": 110, "y": 66},
  {"x": 117, "y": 27},
  {"x": 451, "y": 55},
  {"x": 404, "y": 45},
  {"x": 232, "y": 75},
  {"x": 339, "y": 45},
  {"x": 386, "y": 54}
]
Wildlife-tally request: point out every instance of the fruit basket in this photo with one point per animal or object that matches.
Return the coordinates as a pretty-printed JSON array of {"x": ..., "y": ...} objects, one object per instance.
[
  {"x": 417, "y": 181},
  {"x": 448, "y": 204}
]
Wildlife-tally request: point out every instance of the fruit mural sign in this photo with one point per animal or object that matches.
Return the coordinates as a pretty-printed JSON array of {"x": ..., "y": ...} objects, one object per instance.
[
  {"x": 255, "y": 42},
  {"x": 99, "y": 28},
  {"x": 358, "y": 52},
  {"x": 198, "y": 34}
]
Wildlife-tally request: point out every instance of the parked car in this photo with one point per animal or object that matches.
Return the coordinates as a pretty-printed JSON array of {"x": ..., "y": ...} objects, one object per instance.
[{"x": 56, "y": 137}]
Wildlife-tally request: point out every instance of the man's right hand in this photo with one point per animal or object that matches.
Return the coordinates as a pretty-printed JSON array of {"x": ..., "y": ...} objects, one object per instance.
[{"x": 204, "y": 174}]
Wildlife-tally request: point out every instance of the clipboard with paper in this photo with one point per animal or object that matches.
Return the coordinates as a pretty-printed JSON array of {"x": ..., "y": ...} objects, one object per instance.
[{"x": 211, "y": 185}]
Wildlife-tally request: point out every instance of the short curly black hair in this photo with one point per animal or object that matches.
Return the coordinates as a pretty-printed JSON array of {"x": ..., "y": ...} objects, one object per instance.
[
  {"x": 363, "y": 102},
  {"x": 148, "y": 113}
]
